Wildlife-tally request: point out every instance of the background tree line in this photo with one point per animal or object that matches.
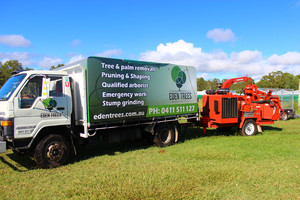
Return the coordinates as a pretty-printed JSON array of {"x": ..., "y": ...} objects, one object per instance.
[
  {"x": 272, "y": 80},
  {"x": 8, "y": 67}
]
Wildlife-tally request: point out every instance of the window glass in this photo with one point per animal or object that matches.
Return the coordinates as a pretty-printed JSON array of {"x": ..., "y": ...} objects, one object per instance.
[
  {"x": 55, "y": 87},
  {"x": 9, "y": 87},
  {"x": 31, "y": 91}
]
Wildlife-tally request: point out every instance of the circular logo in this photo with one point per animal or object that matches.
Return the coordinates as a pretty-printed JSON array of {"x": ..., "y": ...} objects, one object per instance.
[{"x": 178, "y": 76}]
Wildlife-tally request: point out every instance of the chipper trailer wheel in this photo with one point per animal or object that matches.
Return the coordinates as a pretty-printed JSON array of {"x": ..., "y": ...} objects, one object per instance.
[
  {"x": 249, "y": 128},
  {"x": 284, "y": 117}
]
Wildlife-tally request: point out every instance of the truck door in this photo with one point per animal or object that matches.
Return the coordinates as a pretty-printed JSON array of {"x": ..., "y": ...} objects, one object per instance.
[{"x": 31, "y": 115}]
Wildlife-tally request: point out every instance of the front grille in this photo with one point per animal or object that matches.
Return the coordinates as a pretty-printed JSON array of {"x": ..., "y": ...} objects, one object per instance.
[{"x": 229, "y": 108}]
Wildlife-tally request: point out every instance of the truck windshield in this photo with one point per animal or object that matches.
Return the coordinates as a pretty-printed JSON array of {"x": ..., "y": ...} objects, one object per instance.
[{"x": 9, "y": 87}]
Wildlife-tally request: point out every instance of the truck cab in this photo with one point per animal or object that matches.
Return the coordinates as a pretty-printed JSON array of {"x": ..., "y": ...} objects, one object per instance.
[{"x": 25, "y": 113}]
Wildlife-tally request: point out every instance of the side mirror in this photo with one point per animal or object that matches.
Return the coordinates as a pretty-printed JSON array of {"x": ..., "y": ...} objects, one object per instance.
[
  {"x": 49, "y": 103},
  {"x": 19, "y": 97},
  {"x": 18, "y": 100}
]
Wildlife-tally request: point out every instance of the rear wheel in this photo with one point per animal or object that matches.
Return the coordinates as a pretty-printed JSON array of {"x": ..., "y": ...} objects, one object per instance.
[
  {"x": 52, "y": 151},
  {"x": 249, "y": 128},
  {"x": 164, "y": 135}
]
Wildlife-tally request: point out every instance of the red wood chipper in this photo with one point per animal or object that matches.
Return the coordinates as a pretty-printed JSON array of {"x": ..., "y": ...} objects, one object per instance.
[{"x": 222, "y": 109}]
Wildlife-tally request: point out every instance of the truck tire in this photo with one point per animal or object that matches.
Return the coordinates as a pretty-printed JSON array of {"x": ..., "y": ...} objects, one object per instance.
[
  {"x": 164, "y": 135},
  {"x": 52, "y": 151},
  {"x": 249, "y": 128}
]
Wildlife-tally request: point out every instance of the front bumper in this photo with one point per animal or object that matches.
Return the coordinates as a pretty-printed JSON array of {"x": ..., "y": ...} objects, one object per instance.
[
  {"x": 6, "y": 132},
  {"x": 2, "y": 146},
  {"x": 6, "y": 129}
]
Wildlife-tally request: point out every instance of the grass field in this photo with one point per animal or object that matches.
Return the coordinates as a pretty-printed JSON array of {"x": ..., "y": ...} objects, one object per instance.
[{"x": 266, "y": 166}]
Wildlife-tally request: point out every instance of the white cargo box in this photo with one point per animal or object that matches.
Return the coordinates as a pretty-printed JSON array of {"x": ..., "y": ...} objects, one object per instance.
[{"x": 115, "y": 91}]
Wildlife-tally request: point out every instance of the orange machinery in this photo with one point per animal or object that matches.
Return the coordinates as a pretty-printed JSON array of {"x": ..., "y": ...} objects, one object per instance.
[{"x": 222, "y": 109}]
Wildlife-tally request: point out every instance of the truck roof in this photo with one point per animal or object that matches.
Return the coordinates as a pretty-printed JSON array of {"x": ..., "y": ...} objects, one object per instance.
[
  {"x": 80, "y": 64},
  {"x": 48, "y": 72}
]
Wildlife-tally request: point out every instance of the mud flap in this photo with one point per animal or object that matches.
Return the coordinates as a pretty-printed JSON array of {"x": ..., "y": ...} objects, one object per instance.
[{"x": 259, "y": 129}]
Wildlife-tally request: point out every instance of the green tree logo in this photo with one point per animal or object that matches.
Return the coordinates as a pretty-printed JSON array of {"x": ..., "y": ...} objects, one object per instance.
[{"x": 178, "y": 76}]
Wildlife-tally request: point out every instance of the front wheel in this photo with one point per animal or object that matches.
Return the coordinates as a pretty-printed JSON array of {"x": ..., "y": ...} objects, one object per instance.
[
  {"x": 164, "y": 135},
  {"x": 52, "y": 151},
  {"x": 249, "y": 128}
]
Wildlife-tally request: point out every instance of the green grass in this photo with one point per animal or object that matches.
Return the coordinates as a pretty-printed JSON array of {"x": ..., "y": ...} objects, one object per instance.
[
  {"x": 266, "y": 166},
  {"x": 297, "y": 110}
]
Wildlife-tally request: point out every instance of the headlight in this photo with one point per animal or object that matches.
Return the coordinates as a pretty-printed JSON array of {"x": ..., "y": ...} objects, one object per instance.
[{"x": 6, "y": 123}]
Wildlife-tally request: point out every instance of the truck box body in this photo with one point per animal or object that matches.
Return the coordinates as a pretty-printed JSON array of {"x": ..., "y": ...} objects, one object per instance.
[{"x": 124, "y": 91}]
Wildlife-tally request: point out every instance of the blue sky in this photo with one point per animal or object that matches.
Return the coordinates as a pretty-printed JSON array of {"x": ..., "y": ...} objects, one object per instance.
[{"x": 222, "y": 39}]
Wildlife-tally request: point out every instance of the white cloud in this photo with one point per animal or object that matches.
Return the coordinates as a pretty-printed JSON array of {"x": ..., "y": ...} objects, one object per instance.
[
  {"x": 23, "y": 57},
  {"x": 289, "y": 58},
  {"x": 206, "y": 76},
  {"x": 179, "y": 52},
  {"x": 242, "y": 63},
  {"x": 221, "y": 35},
  {"x": 110, "y": 53},
  {"x": 76, "y": 58},
  {"x": 47, "y": 62},
  {"x": 75, "y": 43},
  {"x": 107, "y": 53},
  {"x": 14, "y": 41},
  {"x": 246, "y": 57}
]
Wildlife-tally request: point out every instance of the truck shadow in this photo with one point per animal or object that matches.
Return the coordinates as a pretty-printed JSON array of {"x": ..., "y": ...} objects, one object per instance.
[
  {"x": 19, "y": 163},
  {"x": 194, "y": 133},
  {"x": 191, "y": 133},
  {"x": 271, "y": 128},
  {"x": 93, "y": 150},
  {"x": 23, "y": 163},
  {"x": 85, "y": 152}
]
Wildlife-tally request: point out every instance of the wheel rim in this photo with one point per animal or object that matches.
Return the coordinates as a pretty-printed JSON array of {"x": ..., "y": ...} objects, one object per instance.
[
  {"x": 54, "y": 151},
  {"x": 249, "y": 129},
  {"x": 165, "y": 136},
  {"x": 284, "y": 117}
]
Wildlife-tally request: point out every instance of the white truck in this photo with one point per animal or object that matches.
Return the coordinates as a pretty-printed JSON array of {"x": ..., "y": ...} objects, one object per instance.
[{"x": 46, "y": 113}]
